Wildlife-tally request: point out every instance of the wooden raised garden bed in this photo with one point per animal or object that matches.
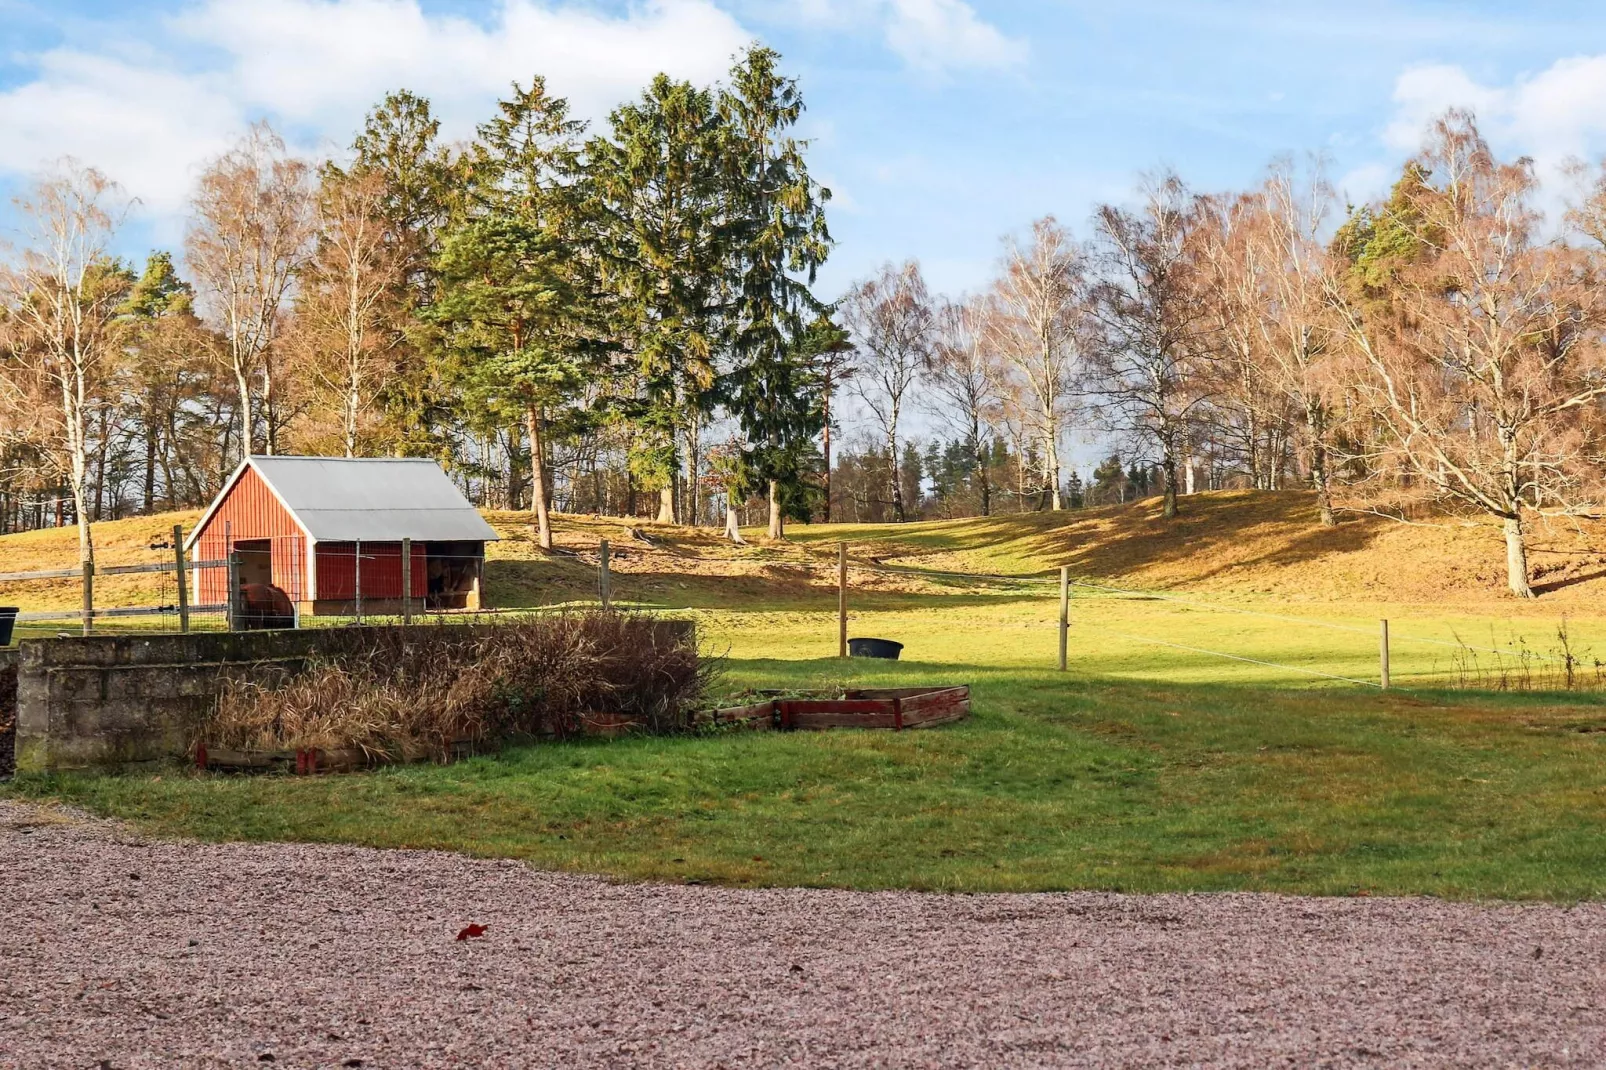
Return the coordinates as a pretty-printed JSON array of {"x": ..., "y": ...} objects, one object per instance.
[{"x": 895, "y": 708}]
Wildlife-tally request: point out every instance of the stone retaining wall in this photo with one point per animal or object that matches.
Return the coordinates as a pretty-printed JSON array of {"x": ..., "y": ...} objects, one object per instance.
[{"x": 117, "y": 700}]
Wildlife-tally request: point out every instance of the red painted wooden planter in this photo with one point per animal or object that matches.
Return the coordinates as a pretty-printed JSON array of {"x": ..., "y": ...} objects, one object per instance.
[{"x": 896, "y": 708}]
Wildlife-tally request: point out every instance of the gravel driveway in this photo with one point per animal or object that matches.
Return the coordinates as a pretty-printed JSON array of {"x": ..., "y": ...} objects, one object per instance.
[{"x": 121, "y": 952}]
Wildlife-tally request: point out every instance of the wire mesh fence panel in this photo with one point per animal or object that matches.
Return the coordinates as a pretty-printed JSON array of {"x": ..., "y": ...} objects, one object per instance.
[{"x": 132, "y": 588}]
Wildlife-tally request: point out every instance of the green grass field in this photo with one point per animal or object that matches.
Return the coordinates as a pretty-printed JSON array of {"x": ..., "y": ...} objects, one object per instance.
[
  {"x": 1145, "y": 767},
  {"x": 1139, "y": 769}
]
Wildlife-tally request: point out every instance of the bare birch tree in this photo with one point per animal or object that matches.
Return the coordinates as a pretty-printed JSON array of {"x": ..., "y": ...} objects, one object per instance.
[
  {"x": 1298, "y": 330},
  {"x": 1484, "y": 370},
  {"x": 1037, "y": 323},
  {"x": 62, "y": 295},
  {"x": 964, "y": 376},
  {"x": 1149, "y": 305},
  {"x": 251, "y": 231},
  {"x": 891, "y": 321},
  {"x": 352, "y": 297}
]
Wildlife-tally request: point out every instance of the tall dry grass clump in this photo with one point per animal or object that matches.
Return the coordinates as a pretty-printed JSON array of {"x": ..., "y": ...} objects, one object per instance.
[{"x": 414, "y": 693}]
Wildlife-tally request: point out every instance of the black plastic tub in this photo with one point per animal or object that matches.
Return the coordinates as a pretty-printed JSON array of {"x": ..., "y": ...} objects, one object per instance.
[
  {"x": 874, "y": 648},
  {"x": 8, "y": 621}
]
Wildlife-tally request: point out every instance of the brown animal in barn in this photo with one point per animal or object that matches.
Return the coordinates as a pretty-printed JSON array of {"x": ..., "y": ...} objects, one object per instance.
[{"x": 264, "y": 606}]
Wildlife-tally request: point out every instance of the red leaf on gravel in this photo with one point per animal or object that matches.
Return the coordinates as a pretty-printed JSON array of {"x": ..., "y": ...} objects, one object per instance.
[{"x": 472, "y": 930}]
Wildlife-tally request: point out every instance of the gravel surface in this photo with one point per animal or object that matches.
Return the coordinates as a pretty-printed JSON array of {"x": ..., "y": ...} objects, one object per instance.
[{"x": 116, "y": 951}]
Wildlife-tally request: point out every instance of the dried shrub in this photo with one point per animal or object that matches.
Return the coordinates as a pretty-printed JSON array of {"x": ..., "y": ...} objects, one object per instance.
[{"x": 411, "y": 694}]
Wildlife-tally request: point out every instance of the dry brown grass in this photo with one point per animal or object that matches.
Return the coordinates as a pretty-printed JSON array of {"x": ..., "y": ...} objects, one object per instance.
[
  {"x": 414, "y": 695},
  {"x": 1237, "y": 542}
]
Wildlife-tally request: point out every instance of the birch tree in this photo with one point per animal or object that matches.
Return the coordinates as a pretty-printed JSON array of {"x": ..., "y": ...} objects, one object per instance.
[
  {"x": 252, "y": 227},
  {"x": 1036, "y": 324},
  {"x": 891, "y": 321},
  {"x": 1482, "y": 366},
  {"x": 1149, "y": 306},
  {"x": 964, "y": 376},
  {"x": 62, "y": 294},
  {"x": 352, "y": 298}
]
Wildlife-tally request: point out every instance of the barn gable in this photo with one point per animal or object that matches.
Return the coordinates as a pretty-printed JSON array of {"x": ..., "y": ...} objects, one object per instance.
[{"x": 341, "y": 499}]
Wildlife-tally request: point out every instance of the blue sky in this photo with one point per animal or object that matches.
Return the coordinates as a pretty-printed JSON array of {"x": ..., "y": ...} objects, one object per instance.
[{"x": 941, "y": 124}]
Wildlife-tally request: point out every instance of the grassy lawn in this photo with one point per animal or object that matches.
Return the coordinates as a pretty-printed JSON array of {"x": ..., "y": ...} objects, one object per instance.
[{"x": 1143, "y": 768}]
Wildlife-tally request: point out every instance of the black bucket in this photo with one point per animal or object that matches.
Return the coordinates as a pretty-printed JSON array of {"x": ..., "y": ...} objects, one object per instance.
[
  {"x": 8, "y": 621},
  {"x": 874, "y": 648}
]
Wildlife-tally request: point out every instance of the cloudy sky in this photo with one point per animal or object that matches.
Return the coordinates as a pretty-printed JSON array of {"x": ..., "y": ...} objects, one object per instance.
[{"x": 940, "y": 124}]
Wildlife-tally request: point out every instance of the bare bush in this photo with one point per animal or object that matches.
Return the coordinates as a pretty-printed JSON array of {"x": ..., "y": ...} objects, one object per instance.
[{"x": 412, "y": 694}]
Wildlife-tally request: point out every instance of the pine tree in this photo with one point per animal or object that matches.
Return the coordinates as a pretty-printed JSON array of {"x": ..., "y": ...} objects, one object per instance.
[{"x": 780, "y": 234}]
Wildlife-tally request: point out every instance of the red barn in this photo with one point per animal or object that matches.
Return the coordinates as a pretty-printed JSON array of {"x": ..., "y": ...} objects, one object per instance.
[{"x": 328, "y": 530}]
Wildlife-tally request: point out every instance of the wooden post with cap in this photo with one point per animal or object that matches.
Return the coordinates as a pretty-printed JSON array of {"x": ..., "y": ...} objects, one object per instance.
[
  {"x": 1065, "y": 616},
  {"x": 183, "y": 578},
  {"x": 842, "y": 599}
]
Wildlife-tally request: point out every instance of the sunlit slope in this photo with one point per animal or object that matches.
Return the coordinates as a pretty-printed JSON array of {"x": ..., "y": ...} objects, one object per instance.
[
  {"x": 1227, "y": 543},
  {"x": 1249, "y": 543}
]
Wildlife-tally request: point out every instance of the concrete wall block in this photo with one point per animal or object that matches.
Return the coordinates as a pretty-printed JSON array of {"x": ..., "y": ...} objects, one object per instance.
[
  {"x": 110, "y": 700},
  {"x": 75, "y": 684}
]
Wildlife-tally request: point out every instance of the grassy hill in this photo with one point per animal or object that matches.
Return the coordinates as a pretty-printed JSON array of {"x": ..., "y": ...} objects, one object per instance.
[{"x": 1233, "y": 544}]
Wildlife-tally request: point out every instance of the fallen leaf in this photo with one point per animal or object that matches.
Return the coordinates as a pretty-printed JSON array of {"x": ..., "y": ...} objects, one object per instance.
[{"x": 471, "y": 931}]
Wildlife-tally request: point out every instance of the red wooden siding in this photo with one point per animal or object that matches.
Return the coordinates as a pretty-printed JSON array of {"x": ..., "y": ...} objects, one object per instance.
[
  {"x": 381, "y": 570},
  {"x": 251, "y": 511}
]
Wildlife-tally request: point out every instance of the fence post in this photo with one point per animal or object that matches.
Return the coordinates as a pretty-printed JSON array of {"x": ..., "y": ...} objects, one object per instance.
[
  {"x": 841, "y": 599},
  {"x": 183, "y": 578},
  {"x": 234, "y": 590},
  {"x": 1383, "y": 652},
  {"x": 1065, "y": 615},
  {"x": 356, "y": 578},
  {"x": 407, "y": 581},
  {"x": 604, "y": 575},
  {"x": 89, "y": 597}
]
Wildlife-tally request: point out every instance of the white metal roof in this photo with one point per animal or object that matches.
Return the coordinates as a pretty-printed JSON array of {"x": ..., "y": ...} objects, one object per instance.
[{"x": 381, "y": 499}]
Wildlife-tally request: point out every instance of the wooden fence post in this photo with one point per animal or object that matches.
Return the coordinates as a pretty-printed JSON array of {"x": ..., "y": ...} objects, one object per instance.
[
  {"x": 356, "y": 581},
  {"x": 1065, "y": 616},
  {"x": 407, "y": 581},
  {"x": 1383, "y": 652},
  {"x": 604, "y": 574},
  {"x": 234, "y": 590},
  {"x": 183, "y": 578},
  {"x": 842, "y": 599},
  {"x": 89, "y": 597}
]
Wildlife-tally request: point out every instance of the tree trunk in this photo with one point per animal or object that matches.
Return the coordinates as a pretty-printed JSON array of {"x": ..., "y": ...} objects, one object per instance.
[
  {"x": 242, "y": 383},
  {"x": 895, "y": 473},
  {"x": 827, "y": 411},
  {"x": 981, "y": 472},
  {"x": 1517, "y": 559},
  {"x": 1315, "y": 424},
  {"x": 777, "y": 523},
  {"x": 666, "y": 503},
  {"x": 515, "y": 475},
  {"x": 538, "y": 499},
  {"x": 1168, "y": 469}
]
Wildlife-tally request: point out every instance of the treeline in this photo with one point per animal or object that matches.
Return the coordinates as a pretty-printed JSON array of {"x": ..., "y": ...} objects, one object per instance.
[
  {"x": 562, "y": 318},
  {"x": 623, "y": 321},
  {"x": 1445, "y": 344}
]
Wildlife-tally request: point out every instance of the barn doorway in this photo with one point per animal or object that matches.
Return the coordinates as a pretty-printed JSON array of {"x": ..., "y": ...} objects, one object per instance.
[{"x": 256, "y": 561}]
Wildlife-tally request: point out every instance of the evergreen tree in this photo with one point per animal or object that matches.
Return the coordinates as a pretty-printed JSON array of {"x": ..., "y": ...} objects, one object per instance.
[
  {"x": 515, "y": 293},
  {"x": 659, "y": 183},
  {"x": 780, "y": 233}
]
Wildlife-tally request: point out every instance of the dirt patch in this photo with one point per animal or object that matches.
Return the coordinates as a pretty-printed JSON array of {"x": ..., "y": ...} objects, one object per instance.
[{"x": 146, "y": 954}]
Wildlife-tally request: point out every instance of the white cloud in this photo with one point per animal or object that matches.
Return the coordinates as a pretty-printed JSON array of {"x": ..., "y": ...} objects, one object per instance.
[
  {"x": 1550, "y": 115},
  {"x": 928, "y": 35},
  {"x": 151, "y": 108},
  {"x": 946, "y": 34}
]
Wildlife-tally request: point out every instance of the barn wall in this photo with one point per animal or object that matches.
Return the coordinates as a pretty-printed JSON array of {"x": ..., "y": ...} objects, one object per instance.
[
  {"x": 250, "y": 511},
  {"x": 381, "y": 571}
]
